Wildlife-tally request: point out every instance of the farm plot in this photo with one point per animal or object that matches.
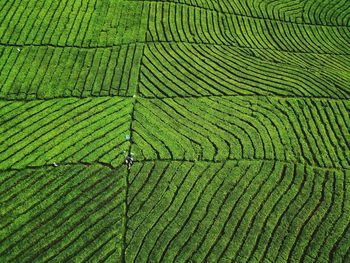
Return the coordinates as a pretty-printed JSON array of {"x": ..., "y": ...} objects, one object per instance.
[
  {"x": 68, "y": 72},
  {"x": 170, "y": 22},
  {"x": 236, "y": 113},
  {"x": 251, "y": 211},
  {"x": 62, "y": 213},
  {"x": 303, "y": 12},
  {"x": 70, "y": 49},
  {"x": 215, "y": 52},
  {"x": 180, "y": 69},
  {"x": 221, "y": 128},
  {"x": 86, "y": 23},
  {"x": 63, "y": 131}
]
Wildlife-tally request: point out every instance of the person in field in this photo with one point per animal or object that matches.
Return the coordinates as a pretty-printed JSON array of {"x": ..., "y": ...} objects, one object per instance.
[{"x": 129, "y": 160}]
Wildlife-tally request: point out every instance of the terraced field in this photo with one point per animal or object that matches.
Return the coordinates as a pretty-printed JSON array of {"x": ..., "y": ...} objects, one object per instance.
[{"x": 236, "y": 112}]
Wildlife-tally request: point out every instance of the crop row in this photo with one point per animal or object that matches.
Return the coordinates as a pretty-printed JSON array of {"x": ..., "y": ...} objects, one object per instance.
[
  {"x": 309, "y": 131},
  {"x": 180, "y": 69},
  {"x": 331, "y": 13},
  {"x": 181, "y": 23},
  {"x": 237, "y": 212},
  {"x": 62, "y": 213},
  {"x": 229, "y": 55},
  {"x": 169, "y": 69},
  {"x": 63, "y": 131},
  {"x": 87, "y": 23},
  {"x": 48, "y": 72},
  {"x": 213, "y": 128}
]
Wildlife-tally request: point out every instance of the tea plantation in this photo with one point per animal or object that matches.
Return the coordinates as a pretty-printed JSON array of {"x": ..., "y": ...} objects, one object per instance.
[{"x": 236, "y": 114}]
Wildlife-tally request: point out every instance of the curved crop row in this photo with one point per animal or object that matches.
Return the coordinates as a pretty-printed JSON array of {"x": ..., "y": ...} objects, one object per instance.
[
  {"x": 169, "y": 22},
  {"x": 294, "y": 130},
  {"x": 323, "y": 13},
  {"x": 61, "y": 213},
  {"x": 327, "y": 12},
  {"x": 48, "y": 72},
  {"x": 181, "y": 23},
  {"x": 63, "y": 130},
  {"x": 275, "y": 35},
  {"x": 86, "y": 23},
  {"x": 175, "y": 70},
  {"x": 236, "y": 211}
]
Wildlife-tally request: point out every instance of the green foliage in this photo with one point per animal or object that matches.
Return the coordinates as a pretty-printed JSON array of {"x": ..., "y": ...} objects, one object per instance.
[
  {"x": 234, "y": 211},
  {"x": 236, "y": 113},
  {"x": 63, "y": 131},
  {"x": 47, "y": 72},
  {"x": 217, "y": 129},
  {"x": 60, "y": 213},
  {"x": 67, "y": 23}
]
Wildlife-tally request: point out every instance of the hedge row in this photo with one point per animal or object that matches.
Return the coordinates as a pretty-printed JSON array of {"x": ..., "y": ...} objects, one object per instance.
[
  {"x": 180, "y": 69},
  {"x": 310, "y": 131},
  {"x": 323, "y": 13},
  {"x": 171, "y": 22},
  {"x": 86, "y": 23},
  {"x": 61, "y": 214},
  {"x": 63, "y": 131},
  {"x": 236, "y": 211},
  {"x": 48, "y": 72}
]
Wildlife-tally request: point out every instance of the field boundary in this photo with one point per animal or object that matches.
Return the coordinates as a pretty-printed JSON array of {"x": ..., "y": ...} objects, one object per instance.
[
  {"x": 110, "y": 166},
  {"x": 172, "y": 42},
  {"x": 239, "y": 15},
  {"x": 181, "y": 97}
]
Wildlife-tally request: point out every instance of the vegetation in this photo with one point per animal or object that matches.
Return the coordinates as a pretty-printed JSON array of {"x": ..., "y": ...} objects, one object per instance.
[
  {"x": 236, "y": 113},
  {"x": 242, "y": 211},
  {"x": 61, "y": 213},
  {"x": 63, "y": 131},
  {"x": 218, "y": 129}
]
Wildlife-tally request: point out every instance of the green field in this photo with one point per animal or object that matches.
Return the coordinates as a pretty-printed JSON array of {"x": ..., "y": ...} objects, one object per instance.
[{"x": 236, "y": 112}]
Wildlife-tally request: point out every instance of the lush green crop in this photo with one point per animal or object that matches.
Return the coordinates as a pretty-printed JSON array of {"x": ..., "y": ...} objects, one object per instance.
[
  {"x": 242, "y": 211},
  {"x": 61, "y": 213},
  {"x": 174, "y": 70},
  {"x": 217, "y": 129},
  {"x": 69, "y": 72},
  {"x": 63, "y": 131},
  {"x": 236, "y": 112}
]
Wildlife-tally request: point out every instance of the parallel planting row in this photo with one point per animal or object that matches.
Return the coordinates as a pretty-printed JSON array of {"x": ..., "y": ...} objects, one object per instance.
[
  {"x": 218, "y": 128},
  {"x": 169, "y": 22},
  {"x": 168, "y": 70},
  {"x": 63, "y": 131},
  {"x": 86, "y": 23},
  {"x": 237, "y": 212},
  {"x": 48, "y": 72},
  {"x": 176, "y": 211},
  {"x": 104, "y": 23},
  {"x": 215, "y": 51},
  {"x": 176, "y": 70},
  {"x": 62, "y": 214},
  {"x": 236, "y": 113},
  {"x": 330, "y": 13},
  {"x": 221, "y": 128}
]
